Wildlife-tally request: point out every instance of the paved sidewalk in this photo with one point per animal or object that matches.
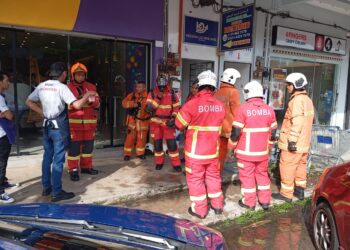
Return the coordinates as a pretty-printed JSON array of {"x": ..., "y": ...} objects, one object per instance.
[{"x": 120, "y": 182}]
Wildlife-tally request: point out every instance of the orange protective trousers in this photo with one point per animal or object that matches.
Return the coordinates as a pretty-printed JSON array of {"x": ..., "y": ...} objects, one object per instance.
[
  {"x": 293, "y": 172},
  {"x": 140, "y": 136}
]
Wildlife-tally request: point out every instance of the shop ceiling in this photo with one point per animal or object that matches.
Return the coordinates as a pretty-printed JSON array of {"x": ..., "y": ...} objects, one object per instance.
[{"x": 337, "y": 6}]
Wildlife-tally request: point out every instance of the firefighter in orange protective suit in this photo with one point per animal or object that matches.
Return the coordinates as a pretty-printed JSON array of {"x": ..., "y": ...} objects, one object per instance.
[
  {"x": 82, "y": 124},
  {"x": 229, "y": 95},
  {"x": 202, "y": 116},
  {"x": 137, "y": 121},
  {"x": 253, "y": 133},
  {"x": 163, "y": 105},
  {"x": 295, "y": 139}
]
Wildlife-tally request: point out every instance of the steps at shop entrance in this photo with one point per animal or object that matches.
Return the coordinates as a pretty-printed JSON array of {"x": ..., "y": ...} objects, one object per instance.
[{"x": 117, "y": 181}]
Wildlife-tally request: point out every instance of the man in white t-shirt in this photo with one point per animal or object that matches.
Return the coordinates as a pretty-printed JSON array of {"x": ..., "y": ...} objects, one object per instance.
[
  {"x": 5, "y": 144},
  {"x": 54, "y": 95}
]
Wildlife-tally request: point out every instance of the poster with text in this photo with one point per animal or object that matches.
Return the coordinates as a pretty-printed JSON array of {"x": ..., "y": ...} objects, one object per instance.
[{"x": 277, "y": 89}]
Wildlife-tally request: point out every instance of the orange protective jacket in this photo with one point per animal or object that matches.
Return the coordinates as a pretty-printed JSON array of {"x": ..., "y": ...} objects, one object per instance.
[
  {"x": 297, "y": 122},
  {"x": 140, "y": 120},
  {"x": 229, "y": 95},
  {"x": 85, "y": 118}
]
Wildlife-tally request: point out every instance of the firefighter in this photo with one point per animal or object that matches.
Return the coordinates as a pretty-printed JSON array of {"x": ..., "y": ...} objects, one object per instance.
[
  {"x": 202, "y": 116},
  {"x": 82, "y": 125},
  {"x": 229, "y": 95},
  {"x": 253, "y": 132},
  {"x": 137, "y": 121},
  {"x": 295, "y": 138},
  {"x": 163, "y": 105}
]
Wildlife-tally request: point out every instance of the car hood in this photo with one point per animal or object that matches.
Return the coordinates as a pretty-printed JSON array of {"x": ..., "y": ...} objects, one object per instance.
[{"x": 132, "y": 219}]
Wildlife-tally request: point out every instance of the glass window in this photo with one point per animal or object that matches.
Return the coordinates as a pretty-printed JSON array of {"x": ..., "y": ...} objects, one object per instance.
[
  {"x": 113, "y": 66},
  {"x": 321, "y": 78}
]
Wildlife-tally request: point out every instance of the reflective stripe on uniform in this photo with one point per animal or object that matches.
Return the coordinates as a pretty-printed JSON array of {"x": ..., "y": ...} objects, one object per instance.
[
  {"x": 156, "y": 120},
  {"x": 284, "y": 186},
  {"x": 255, "y": 130},
  {"x": 82, "y": 121},
  {"x": 128, "y": 149},
  {"x": 158, "y": 154},
  {"x": 267, "y": 187},
  {"x": 198, "y": 198},
  {"x": 227, "y": 135},
  {"x": 242, "y": 152},
  {"x": 173, "y": 155},
  {"x": 248, "y": 190},
  {"x": 240, "y": 165},
  {"x": 214, "y": 195},
  {"x": 86, "y": 155},
  {"x": 181, "y": 119},
  {"x": 194, "y": 141},
  {"x": 201, "y": 157},
  {"x": 273, "y": 125},
  {"x": 177, "y": 104},
  {"x": 73, "y": 158},
  {"x": 154, "y": 103},
  {"x": 189, "y": 170},
  {"x": 164, "y": 106},
  {"x": 140, "y": 149},
  {"x": 205, "y": 128},
  {"x": 300, "y": 183},
  {"x": 309, "y": 113},
  {"x": 260, "y": 241},
  {"x": 237, "y": 124}
]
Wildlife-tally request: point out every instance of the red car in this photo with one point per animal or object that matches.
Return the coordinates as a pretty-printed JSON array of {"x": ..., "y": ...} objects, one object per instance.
[{"x": 330, "y": 211}]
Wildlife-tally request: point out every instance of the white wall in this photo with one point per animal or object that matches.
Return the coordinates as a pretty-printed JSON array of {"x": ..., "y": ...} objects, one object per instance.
[{"x": 191, "y": 51}]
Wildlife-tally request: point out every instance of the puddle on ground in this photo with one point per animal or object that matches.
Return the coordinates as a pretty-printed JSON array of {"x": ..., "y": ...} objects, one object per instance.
[{"x": 276, "y": 231}]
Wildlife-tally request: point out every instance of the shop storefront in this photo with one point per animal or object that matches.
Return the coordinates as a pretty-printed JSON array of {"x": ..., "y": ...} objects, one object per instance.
[
  {"x": 307, "y": 53},
  {"x": 119, "y": 42}
]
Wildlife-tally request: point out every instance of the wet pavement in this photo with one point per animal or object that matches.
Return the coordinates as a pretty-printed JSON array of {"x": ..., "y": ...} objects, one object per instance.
[{"x": 277, "y": 231}]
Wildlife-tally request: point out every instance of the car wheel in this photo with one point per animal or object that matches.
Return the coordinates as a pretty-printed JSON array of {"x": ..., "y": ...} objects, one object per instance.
[{"x": 324, "y": 228}]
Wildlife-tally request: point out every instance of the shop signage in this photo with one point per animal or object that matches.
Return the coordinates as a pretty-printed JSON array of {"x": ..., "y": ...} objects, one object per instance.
[
  {"x": 283, "y": 36},
  {"x": 334, "y": 45},
  {"x": 237, "y": 29},
  {"x": 201, "y": 31},
  {"x": 293, "y": 38}
]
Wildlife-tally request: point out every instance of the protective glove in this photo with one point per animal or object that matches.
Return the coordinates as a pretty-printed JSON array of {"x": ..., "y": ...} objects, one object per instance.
[
  {"x": 149, "y": 108},
  {"x": 170, "y": 123},
  {"x": 292, "y": 146}
]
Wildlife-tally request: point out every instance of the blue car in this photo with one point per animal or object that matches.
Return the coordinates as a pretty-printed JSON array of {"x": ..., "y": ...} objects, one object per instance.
[{"x": 66, "y": 226}]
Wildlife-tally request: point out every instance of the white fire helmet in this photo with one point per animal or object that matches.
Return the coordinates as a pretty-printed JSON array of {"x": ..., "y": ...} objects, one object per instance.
[
  {"x": 253, "y": 89},
  {"x": 230, "y": 76},
  {"x": 207, "y": 78},
  {"x": 297, "y": 79}
]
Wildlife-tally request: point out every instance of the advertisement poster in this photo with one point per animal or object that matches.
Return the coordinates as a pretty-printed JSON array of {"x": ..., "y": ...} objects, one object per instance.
[
  {"x": 237, "y": 29},
  {"x": 201, "y": 31},
  {"x": 277, "y": 89}
]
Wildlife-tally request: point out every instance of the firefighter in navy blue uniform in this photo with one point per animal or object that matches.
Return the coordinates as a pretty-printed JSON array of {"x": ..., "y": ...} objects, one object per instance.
[{"x": 253, "y": 133}]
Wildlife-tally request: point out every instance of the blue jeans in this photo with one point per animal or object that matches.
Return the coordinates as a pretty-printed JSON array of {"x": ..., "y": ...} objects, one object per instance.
[{"x": 54, "y": 154}]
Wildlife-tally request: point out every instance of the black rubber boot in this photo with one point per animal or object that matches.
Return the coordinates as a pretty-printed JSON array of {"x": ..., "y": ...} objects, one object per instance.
[
  {"x": 159, "y": 166},
  {"x": 89, "y": 171},
  {"x": 240, "y": 202},
  {"x": 74, "y": 175},
  {"x": 299, "y": 193},
  {"x": 278, "y": 196}
]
